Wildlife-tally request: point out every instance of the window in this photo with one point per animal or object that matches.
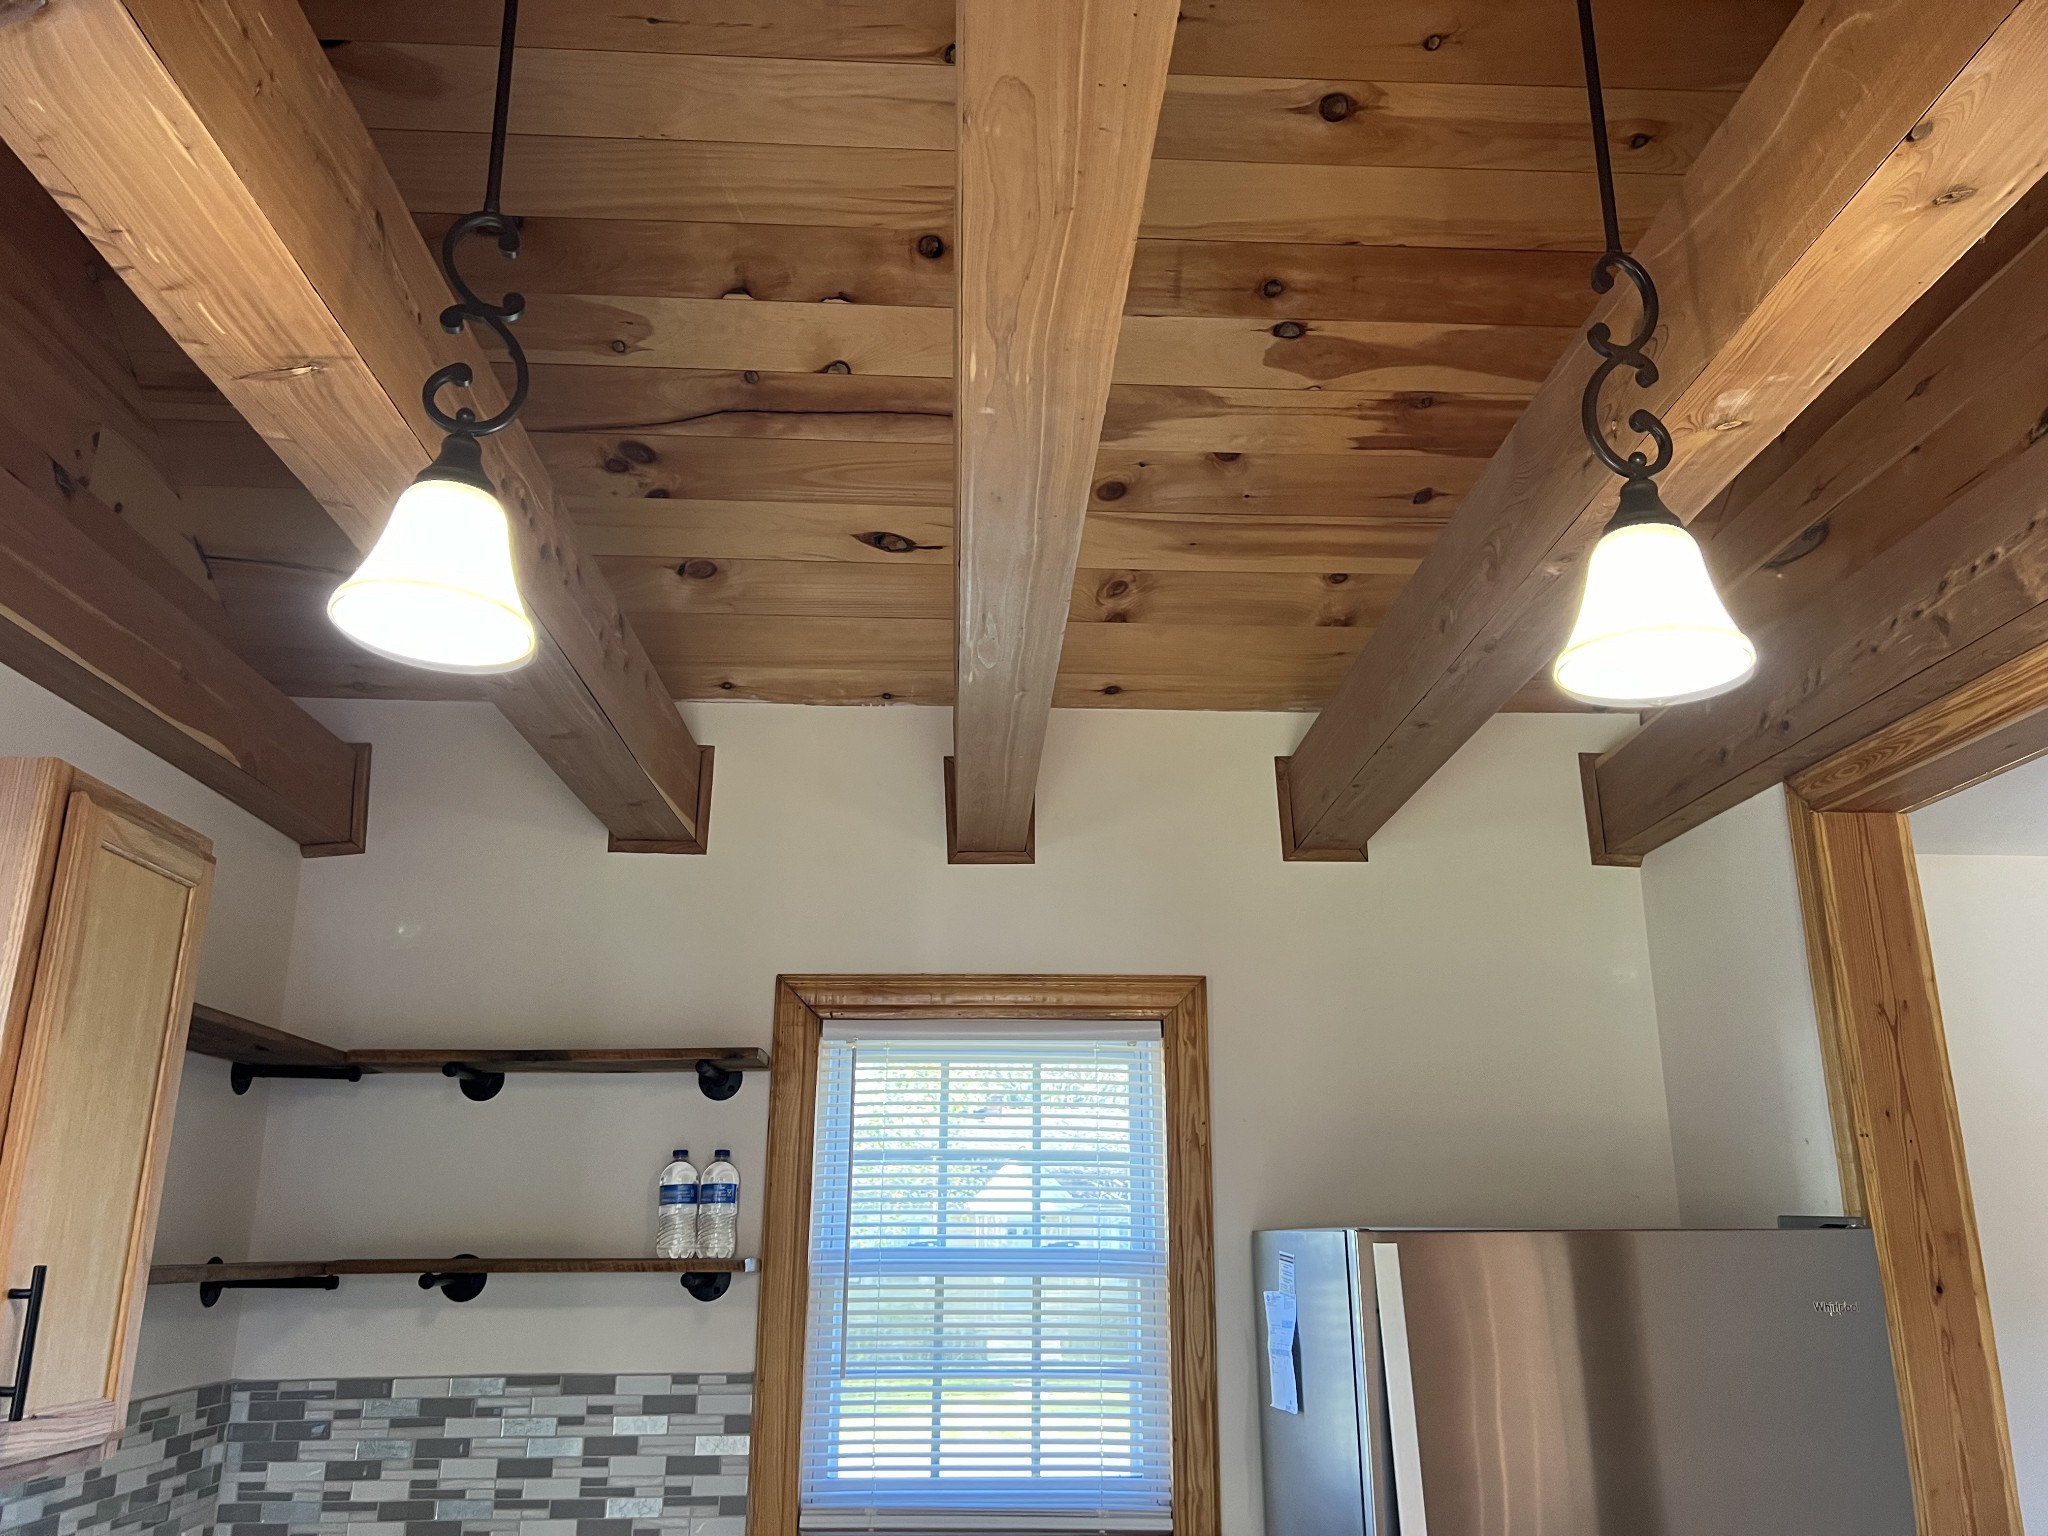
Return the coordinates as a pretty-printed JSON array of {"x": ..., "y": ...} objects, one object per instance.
[
  {"x": 987, "y": 1290},
  {"x": 987, "y": 1330}
]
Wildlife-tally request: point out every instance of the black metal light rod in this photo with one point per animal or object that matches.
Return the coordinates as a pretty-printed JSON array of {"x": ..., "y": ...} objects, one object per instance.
[
  {"x": 470, "y": 307},
  {"x": 1603, "y": 155},
  {"x": 501, "y": 112},
  {"x": 1640, "y": 502}
]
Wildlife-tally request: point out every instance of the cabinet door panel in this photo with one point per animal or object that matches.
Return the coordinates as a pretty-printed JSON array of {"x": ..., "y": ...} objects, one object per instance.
[{"x": 100, "y": 1057}]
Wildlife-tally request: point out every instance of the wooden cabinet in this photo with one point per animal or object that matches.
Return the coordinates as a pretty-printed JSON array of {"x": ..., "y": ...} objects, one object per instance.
[{"x": 102, "y": 903}]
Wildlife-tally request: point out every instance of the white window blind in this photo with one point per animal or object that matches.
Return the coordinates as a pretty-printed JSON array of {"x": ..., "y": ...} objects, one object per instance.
[{"x": 988, "y": 1333}]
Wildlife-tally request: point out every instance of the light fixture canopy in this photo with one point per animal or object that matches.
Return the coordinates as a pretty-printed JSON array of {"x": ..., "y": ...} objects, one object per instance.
[
  {"x": 439, "y": 590},
  {"x": 1651, "y": 629}
]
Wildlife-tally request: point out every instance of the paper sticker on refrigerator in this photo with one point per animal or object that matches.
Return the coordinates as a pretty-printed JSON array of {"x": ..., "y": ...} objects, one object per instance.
[{"x": 1285, "y": 1386}]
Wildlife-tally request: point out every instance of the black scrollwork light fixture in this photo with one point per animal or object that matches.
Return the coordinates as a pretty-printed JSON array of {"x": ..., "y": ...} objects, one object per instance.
[
  {"x": 1651, "y": 629},
  {"x": 438, "y": 590}
]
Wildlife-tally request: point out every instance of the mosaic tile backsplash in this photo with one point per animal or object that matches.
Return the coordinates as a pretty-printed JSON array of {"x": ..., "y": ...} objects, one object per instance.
[
  {"x": 162, "y": 1478},
  {"x": 634, "y": 1455}
]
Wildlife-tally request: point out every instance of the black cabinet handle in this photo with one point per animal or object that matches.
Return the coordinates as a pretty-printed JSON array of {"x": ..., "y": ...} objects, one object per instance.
[{"x": 25, "y": 1362}]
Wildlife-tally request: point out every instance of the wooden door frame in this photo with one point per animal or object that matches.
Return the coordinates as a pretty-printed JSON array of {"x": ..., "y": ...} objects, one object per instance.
[
  {"x": 802, "y": 1006},
  {"x": 1898, "y": 1134}
]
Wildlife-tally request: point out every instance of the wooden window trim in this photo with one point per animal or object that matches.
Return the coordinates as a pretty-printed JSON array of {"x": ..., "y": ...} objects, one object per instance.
[{"x": 802, "y": 1006}]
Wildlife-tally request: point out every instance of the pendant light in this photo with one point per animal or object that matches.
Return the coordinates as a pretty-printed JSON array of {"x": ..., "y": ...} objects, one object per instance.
[
  {"x": 438, "y": 590},
  {"x": 1651, "y": 628}
]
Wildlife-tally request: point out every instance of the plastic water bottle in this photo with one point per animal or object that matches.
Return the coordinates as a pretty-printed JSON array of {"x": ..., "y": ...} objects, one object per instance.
[
  {"x": 675, "y": 1234},
  {"x": 718, "y": 1209}
]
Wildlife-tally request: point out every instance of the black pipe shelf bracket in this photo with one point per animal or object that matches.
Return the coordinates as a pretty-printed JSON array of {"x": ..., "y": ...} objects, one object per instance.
[
  {"x": 477, "y": 1086},
  {"x": 209, "y": 1290},
  {"x": 458, "y": 1284},
  {"x": 243, "y": 1073},
  {"x": 707, "y": 1285},
  {"x": 719, "y": 1083}
]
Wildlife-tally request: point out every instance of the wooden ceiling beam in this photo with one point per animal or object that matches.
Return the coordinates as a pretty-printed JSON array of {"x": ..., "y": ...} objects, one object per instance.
[
  {"x": 83, "y": 614},
  {"x": 1958, "y": 379},
  {"x": 213, "y": 157},
  {"x": 108, "y": 606},
  {"x": 69, "y": 387},
  {"x": 1914, "y": 469},
  {"x": 1059, "y": 102},
  {"x": 1901, "y": 644},
  {"x": 1812, "y": 221}
]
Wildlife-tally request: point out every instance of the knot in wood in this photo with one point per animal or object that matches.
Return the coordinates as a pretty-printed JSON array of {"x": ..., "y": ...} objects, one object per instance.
[
  {"x": 1111, "y": 490},
  {"x": 1290, "y": 330},
  {"x": 698, "y": 570},
  {"x": 638, "y": 452},
  {"x": 837, "y": 365},
  {"x": 1335, "y": 107},
  {"x": 1272, "y": 288},
  {"x": 930, "y": 247},
  {"x": 888, "y": 543}
]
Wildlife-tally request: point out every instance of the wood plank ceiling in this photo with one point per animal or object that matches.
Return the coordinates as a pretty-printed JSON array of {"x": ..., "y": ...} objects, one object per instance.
[{"x": 1364, "y": 245}]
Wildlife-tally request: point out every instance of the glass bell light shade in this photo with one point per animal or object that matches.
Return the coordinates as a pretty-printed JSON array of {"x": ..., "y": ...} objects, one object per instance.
[
  {"x": 438, "y": 589},
  {"x": 1651, "y": 629}
]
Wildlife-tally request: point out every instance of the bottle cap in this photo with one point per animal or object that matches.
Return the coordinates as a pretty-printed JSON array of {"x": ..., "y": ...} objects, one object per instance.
[
  {"x": 723, "y": 1152},
  {"x": 680, "y": 1152}
]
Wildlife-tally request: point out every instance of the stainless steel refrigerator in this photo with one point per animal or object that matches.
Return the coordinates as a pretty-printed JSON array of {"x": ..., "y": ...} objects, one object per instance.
[{"x": 1434, "y": 1383}]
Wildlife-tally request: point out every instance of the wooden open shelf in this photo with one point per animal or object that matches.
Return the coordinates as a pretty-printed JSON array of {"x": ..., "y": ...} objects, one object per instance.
[
  {"x": 313, "y": 1269},
  {"x": 229, "y": 1038}
]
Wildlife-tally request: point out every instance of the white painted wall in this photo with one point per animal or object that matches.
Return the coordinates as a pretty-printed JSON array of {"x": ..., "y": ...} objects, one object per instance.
[
  {"x": 2005, "y": 815},
  {"x": 1986, "y": 916},
  {"x": 1461, "y": 1031},
  {"x": 1751, "y": 1137},
  {"x": 210, "y": 1187}
]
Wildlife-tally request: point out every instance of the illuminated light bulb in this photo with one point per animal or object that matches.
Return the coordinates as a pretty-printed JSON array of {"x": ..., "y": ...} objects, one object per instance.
[
  {"x": 438, "y": 589},
  {"x": 1651, "y": 629}
]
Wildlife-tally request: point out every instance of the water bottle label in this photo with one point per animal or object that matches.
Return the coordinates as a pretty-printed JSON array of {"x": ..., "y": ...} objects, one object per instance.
[
  {"x": 678, "y": 1194},
  {"x": 720, "y": 1194}
]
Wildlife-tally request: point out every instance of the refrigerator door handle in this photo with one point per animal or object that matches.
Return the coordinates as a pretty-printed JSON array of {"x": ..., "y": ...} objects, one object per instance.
[{"x": 1400, "y": 1379}]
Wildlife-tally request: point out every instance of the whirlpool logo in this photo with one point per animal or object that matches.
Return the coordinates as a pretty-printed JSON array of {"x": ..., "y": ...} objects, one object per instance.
[{"x": 1835, "y": 1308}]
